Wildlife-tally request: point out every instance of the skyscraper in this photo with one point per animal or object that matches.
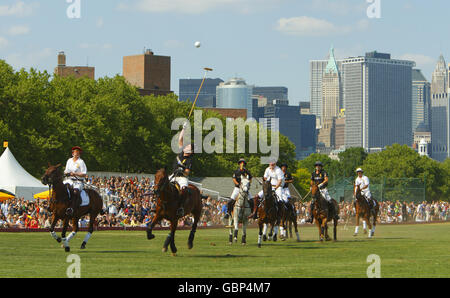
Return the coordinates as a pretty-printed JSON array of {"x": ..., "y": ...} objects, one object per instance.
[
  {"x": 317, "y": 69},
  {"x": 331, "y": 89},
  {"x": 235, "y": 94},
  {"x": 421, "y": 102},
  {"x": 207, "y": 97},
  {"x": 377, "y": 97},
  {"x": 440, "y": 129}
]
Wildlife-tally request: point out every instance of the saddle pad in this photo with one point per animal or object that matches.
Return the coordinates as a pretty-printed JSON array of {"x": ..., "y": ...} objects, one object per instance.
[{"x": 84, "y": 198}]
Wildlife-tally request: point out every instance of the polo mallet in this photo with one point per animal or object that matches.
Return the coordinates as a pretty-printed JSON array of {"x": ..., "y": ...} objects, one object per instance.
[{"x": 199, "y": 89}]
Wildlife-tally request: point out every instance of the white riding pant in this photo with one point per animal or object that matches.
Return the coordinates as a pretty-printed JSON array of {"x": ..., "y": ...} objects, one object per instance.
[
  {"x": 278, "y": 191},
  {"x": 76, "y": 184},
  {"x": 181, "y": 180},
  {"x": 286, "y": 195},
  {"x": 325, "y": 194},
  {"x": 235, "y": 193}
]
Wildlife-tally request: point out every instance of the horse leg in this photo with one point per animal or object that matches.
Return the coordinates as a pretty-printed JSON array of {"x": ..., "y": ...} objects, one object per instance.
[
  {"x": 374, "y": 222},
  {"x": 365, "y": 224},
  {"x": 244, "y": 230},
  {"x": 271, "y": 232},
  {"x": 357, "y": 224},
  {"x": 92, "y": 219},
  {"x": 275, "y": 231},
  {"x": 260, "y": 225},
  {"x": 319, "y": 226},
  {"x": 63, "y": 234},
  {"x": 265, "y": 232},
  {"x": 193, "y": 230},
  {"x": 335, "y": 222},
  {"x": 74, "y": 231},
  {"x": 52, "y": 229},
  {"x": 150, "y": 227},
  {"x": 173, "y": 228},
  {"x": 296, "y": 229},
  {"x": 236, "y": 223}
]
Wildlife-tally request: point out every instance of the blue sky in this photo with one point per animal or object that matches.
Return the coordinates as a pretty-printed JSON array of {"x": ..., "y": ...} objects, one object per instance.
[{"x": 267, "y": 42}]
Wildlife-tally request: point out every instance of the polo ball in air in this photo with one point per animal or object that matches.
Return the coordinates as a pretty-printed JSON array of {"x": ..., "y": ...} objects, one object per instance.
[{"x": 197, "y": 44}]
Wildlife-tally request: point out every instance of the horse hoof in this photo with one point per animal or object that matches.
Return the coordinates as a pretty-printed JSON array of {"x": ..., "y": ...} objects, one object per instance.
[
  {"x": 58, "y": 240},
  {"x": 83, "y": 245},
  {"x": 259, "y": 245},
  {"x": 243, "y": 243},
  {"x": 190, "y": 246},
  {"x": 264, "y": 238},
  {"x": 174, "y": 254},
  {"x": 150, "y": 236},
  {"x": 67, "y": 249},
  {"x": 164, "y": 249},
  {"x": 354, "y": 235}
]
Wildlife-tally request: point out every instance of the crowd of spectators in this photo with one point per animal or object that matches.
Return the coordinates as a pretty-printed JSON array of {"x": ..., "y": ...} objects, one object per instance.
[{"x": 130, "y": 202}]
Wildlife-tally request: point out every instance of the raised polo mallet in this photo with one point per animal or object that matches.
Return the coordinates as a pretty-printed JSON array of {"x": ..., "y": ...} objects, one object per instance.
[{"x": 199, "y": 89}]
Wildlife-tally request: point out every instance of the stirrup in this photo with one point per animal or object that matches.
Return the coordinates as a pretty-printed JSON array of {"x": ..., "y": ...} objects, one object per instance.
[{"x": 69, "y": 211}]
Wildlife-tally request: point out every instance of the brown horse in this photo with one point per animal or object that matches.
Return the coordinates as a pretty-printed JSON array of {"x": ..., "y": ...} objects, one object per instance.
[
  {"x": 268, "y": 213},
  {"x": 364, "y": 211},
  {"x": 322, "y": 213},
  {"x": 167, "y": 206},
  {"x": 289, "y": 218},
  {"x": 59, "y": 202}
]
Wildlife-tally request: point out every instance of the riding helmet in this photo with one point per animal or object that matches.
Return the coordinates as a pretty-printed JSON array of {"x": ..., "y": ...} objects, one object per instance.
[
  {"x": 318, "y": 163},
  {"x": 242, "y": 160}
]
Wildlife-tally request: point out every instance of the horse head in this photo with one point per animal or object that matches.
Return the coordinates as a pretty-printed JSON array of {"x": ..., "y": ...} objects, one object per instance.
[
  {"x": 245, "y": 184},
  {"x": 52, "y": 175},
  {"x": 315, "y": 191},
  {"x": 161, "y": 181},
  {"x": 358, "y": 194}
]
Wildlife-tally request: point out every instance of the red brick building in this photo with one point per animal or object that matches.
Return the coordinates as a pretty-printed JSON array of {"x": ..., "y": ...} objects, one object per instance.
[{"x": 63, "y": 70}]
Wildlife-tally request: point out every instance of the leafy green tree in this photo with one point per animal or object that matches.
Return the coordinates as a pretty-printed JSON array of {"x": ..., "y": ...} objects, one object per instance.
[{"x": 351, "y": 159}]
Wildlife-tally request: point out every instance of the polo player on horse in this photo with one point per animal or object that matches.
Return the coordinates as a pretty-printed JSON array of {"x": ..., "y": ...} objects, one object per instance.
[
  {"x": 320, "y": 178},
  {"x": 276, "y": 177},
  {"x": 75, "y": 172},
  {"x": 363, "y": 182},
  {"x": 182, "y": 168},
  {"x": 242, "y": 170}
]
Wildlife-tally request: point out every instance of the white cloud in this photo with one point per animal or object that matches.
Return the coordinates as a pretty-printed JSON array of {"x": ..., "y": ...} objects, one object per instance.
[
  {"x": 18, "y": 30},
  {"x": 196, "y": 6},
  {"x": 18, "y": 9},
  {"x": 421, "y": 60},
  {"x": 309, "y": 26},
  {"x": 3, "y": 42}
]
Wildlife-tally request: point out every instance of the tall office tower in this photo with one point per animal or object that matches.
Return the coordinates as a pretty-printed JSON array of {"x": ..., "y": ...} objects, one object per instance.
[
  {"x": 235, "y": 94},
  {"x": 148, "y": 72},
  {"x": 421, "y": 101},
  {"x": 207, "y": 96},
  {"x": 317, "y": 69},
  {"x": 299, "y": 129},
  {"x": 331, "y": 89},
  {"x": 272, "y": 93},
  {"x": 377, "y": 96},
  {"x": 440, "y": 129}
]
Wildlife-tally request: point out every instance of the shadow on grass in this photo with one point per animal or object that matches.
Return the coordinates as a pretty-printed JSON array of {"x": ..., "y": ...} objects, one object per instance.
[
  {"x": 227, "y": 256},
  {"x": 113, "y": 251}
]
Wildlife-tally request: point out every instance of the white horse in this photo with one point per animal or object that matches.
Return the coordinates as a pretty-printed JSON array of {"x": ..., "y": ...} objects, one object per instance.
[{"x": 240, "y": 212}]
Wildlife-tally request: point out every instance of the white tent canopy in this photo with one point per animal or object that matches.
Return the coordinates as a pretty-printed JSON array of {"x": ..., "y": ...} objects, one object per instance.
[{"x": 15, "y": 179}]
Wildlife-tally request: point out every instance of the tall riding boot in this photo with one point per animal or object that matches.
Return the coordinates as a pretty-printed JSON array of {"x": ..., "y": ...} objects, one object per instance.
[
  {"x": 254, "y": 215},
  {"x": 73, "y": 202},
  {"x": 183, "y": 196}
]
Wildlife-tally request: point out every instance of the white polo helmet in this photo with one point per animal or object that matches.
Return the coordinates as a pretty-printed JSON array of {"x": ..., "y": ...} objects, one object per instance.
[{"x": 359, "y": 170}]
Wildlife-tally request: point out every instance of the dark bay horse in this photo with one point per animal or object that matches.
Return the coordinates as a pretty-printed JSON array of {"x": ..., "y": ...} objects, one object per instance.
[
  {"x": 323, "y": 214},
  {"x": 268, "y": 213},
  {"x": 289, "y": 218},
  {"x": 59, "y": 202},
  {"x": 167, "y": 205},
  {"x": 364, "y": 211}
]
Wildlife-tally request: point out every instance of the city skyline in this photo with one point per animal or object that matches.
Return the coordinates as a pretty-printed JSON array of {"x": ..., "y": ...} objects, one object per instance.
[{"x": 292, "y": 33}]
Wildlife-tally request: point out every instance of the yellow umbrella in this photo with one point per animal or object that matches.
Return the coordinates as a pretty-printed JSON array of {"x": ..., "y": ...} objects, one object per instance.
[
  {"x": 43, "y": 195},
  {"x": 5, "y": 196}
]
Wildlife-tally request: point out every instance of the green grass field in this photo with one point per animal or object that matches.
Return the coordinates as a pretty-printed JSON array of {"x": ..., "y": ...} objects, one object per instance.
[{"x": 405, "y": 251}]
